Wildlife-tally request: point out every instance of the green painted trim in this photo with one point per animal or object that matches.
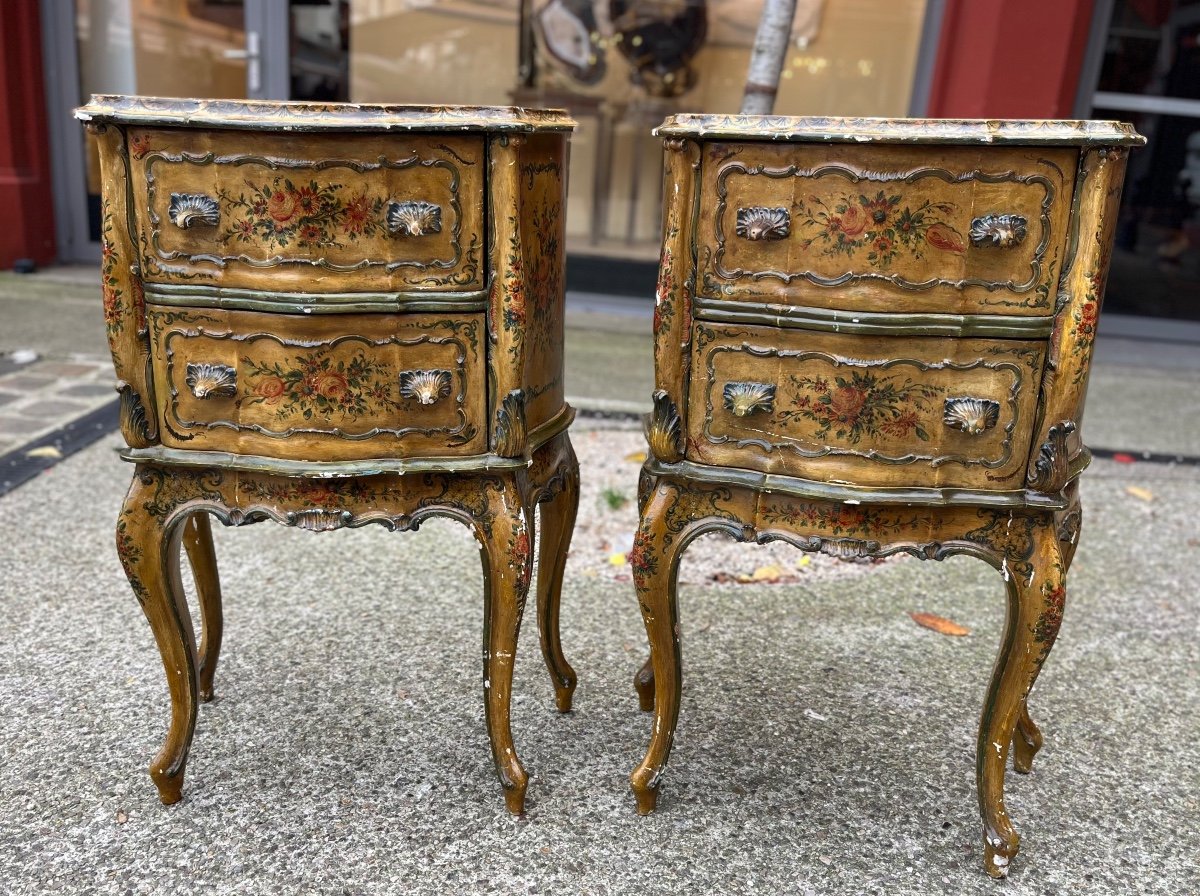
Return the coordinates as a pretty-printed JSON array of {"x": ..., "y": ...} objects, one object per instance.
[
  {"x": 187, "y": 295},
  {"x": 828, "y": 320},
  {"x": 853, "y": 494},
  {"x": 339, "y": 469}
]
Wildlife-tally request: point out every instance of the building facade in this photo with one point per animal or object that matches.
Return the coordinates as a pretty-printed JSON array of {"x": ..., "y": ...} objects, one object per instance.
[{"x": 620, "y": 67}]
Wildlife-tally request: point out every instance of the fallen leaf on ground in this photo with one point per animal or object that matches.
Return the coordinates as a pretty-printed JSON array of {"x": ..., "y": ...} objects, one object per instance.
[
  {"x": 616, "y": 559},
  {"x": 803, "y": 561},
  {"x": 939, "y": 624},
  {"x": 638, "y": 457},
  {"x": 1138, "y": 492},
  {"x": 45, "y": 451}
]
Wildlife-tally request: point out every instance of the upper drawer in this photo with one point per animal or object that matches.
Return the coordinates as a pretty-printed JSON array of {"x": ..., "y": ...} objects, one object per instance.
[
  {"x": 309, "y": 212},
  {"x": 953, "y": 229}
]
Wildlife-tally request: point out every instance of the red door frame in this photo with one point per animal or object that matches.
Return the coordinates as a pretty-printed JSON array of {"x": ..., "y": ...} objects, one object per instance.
[
  {"x": 26, "y": 196},
  {"x": 1010, "y": 58}
]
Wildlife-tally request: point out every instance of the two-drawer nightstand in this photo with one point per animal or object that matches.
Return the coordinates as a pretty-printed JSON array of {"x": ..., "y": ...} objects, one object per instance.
[
  {"x": 874, "y": 336},
  {"x": 332, "y": 316}
]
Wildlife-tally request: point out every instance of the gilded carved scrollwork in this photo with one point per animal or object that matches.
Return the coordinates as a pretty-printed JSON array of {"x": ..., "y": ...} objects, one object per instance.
[{"x": 664, "y": 430}]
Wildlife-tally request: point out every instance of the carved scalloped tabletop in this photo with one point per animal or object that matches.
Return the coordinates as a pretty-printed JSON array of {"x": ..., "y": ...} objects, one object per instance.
[
  {"x": 871, "y": 130},
  {"x": 269, "y": 115}
]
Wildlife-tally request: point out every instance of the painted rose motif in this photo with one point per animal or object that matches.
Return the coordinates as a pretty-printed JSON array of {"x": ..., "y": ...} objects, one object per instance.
[
  {"x": 270, "y": 389},
  {"x": 846, "y": 403},
  {"x": 330, "y": 385},
  {"x": 851, "y": 222},
  {"x": 282, "y": 206},
  {"x": 876, "y": 228},
  {"x": 315, "y": 385},
  {"x": 311, "y": 215},
  {"x": 863, "y": 405}
]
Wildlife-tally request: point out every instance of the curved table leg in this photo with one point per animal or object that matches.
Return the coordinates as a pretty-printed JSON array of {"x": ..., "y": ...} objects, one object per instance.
[
  {"x": 1068, "y": 523},
  {"x": 506, "y": 535},
  {"x": 558, "y": 523},
  {"x": 1036, "y": 596},
  {"x": 148, "y": 541},
  {"x": 653, "y": 560},
  {"x": 197, "y": 541}
]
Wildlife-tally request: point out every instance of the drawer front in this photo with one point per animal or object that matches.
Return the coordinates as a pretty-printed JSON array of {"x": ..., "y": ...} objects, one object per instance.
[
  {"x": 336, "y": 387},
  {"x": 885, "y": 228},
  {"x": 316, "y": 213},
  {"x": 869, "y": 410}
]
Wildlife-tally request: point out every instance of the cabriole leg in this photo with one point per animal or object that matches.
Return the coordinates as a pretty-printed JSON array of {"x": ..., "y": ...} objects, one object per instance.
[
  {"x": 558, "y": 522},
  {"x": 506, "y": 538},
  {"x": 197, "y": 541},
  {"x": 148, "y": 541},
  {"x": 1067, "y": 525},
  {"x": 653, "y": 561},
  {"x": 1036, "y": 596}
]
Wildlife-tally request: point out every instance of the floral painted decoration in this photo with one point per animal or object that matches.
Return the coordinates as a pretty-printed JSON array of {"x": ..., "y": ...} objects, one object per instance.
[
  {"x": 314, "y": 385},
  {"x": 878, "y": 226},
  {"x": 865, "y": 404},
  {"x": 281, "y": 212}
]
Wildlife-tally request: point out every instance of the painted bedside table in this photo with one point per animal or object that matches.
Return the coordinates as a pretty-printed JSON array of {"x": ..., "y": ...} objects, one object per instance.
[
  {"x": 332, "y": 316},
  {"x": 873, "y": 336}
]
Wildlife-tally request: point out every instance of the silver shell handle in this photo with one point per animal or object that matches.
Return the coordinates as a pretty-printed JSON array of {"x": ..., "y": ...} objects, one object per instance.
[
  {"x": 973, "y": 416},
  {"x": 414, "y": 218},
  {"x": 211, "y": 380},
  {"x": 757, "y": 222},
  {"x": 744, "y": 399},
  {"x": 426, "y": 386},
  {"x": 998, "y": 231},
  {"x": 189, "y": 209}
]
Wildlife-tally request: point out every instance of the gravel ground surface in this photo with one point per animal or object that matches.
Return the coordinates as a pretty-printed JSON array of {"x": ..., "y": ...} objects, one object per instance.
[{"x": 610, "y": 455}]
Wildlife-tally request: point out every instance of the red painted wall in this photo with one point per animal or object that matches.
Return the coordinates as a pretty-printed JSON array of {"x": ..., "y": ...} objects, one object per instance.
[
  {"x": 1009, "y": 58},
  {"x": 26, "y": 201}
]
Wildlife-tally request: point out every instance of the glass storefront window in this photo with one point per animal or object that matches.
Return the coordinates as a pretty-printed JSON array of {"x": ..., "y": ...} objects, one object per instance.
[
  {"x": 620, "y": 67},
  {"x": 1151, "y": 77},
  {"x": 156, "y": 47}
]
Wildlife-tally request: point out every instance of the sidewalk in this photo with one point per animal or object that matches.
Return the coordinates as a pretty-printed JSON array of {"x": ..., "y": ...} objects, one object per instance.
[{"x": 826, "y": 743}]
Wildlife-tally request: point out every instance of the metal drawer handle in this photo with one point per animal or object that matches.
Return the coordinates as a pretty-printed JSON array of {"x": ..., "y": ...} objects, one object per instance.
[
  {"x": 998, "y": 231},
  {"x": 414, "y": 218},
  {"x": 759, "y": 223},
  {"x": 189, "y": 209},
  {"x": 211, "y": 380},
  {"x": 971, "y": 415},
  {"x": 426, "y": 386},
  {"x": 745, "y": 399}
]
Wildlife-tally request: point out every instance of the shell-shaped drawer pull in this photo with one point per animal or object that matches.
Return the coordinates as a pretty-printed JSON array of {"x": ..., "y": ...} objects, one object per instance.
[
  {"x": 426, "y": 386},
  {"x": 414, "y": 218},
  {"x": 211, "y": 380},
  {"x": 971, "y": 415},
  {"x": 757, "y": 222},
  {"x": 744, "y": 399},
  {"x": 998, "y": 231},
  {"x": 189, "y": 209}
]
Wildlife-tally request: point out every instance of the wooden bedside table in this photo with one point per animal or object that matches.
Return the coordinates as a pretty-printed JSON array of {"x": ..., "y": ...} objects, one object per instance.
[
  {"x": 873, "y": 336},
  {"x": 332, "y": 316}
]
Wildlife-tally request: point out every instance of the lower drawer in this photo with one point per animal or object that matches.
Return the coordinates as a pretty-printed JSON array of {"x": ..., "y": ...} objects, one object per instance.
[
  {"x": 327, "y": 387},
  {"x": 866, "y": 410}
]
